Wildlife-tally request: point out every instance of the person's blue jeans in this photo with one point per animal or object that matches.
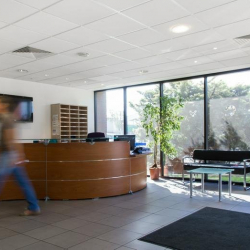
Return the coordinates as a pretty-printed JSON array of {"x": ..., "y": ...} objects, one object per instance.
[{"x": 21, "y": 177}]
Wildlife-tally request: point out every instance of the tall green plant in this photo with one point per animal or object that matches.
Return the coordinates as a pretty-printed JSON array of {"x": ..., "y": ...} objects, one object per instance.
[{"x": 160, "y": 123}]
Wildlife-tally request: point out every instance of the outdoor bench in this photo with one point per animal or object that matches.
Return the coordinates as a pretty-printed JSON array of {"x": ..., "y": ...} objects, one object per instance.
[{"x": 236, "y": 160}]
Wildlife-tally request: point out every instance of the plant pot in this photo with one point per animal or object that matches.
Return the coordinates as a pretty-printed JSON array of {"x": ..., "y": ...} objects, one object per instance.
[{"x": 154, "y": 173}]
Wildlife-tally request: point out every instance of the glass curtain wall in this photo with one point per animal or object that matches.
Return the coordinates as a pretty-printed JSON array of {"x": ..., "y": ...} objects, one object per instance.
[
  {"x": 137, "y": 98},
  {"x": 109, "y": 112},
  {"x": 191, "y": 134},
  {"x": 229, "y": 113}
]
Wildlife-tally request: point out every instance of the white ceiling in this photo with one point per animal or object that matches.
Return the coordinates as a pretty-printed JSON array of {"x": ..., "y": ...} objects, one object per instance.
[{"x": 122, "y": 37}]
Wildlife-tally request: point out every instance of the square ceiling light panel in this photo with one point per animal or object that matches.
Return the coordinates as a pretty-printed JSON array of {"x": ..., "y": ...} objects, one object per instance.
[
  {"x": 115, "y": 25},
  {"x": 156, "y": 12},
  {"x": 45, "y": 23},
  {"x": 143, "y": 37},
  {"x": 38, "y": 4},
  {"x": 12, "y": 11},
  {"x": 14, "y": 33},
  {"x": 226, "y": 14},
  {"x": 198, "y": 5},
  {"x": 79, "y": 11},
  {"x": 82, "y": 36}
]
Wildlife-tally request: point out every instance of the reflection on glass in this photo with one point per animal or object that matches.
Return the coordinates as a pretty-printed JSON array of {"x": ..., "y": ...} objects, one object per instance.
[
  {"x": 137, "y": 98},
  {"x": 109, "y": 112},
  {"x": 191, "y": 134}
]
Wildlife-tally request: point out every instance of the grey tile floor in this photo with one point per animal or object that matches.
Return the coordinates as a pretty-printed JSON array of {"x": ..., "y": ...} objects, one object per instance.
[{"x": 109, "y": 223}]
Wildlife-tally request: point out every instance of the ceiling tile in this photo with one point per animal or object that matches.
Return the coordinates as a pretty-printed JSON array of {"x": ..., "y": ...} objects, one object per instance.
[
  {"x": 92, "y": 53},
  {"x": 7, "y": 46},
  {"x": 154, "y": 12},
  {"x": 199, "y": 38},
  {"x": 79, "y": 11},
  {"x": 237, "y": 61},
  {"x": 12, "y": 11},
  {"x": 36, "y": 66},
  {"x": 225, "y": 14},
  {"x": 241, "y": 28},
  {"x": 198, "y": 5},
  {"x": 134, "y": 54},
  {"x": 38, "y": 4},
  {"x": 82, "y": 36},
  {"x": 2, "y": 24},
  {"x": 54, "y": 45},
  {"x": 228, "y": 55},
  {"x": 196, "y": 61},
  {"x": 143, "y": 37},
  {"x": 9, "y": 60},
  {"x": 182, "y": 54},
  {"x": 192, "y": 22},
  {"x": 208, "y": 66},
  {"x": 61, "y": 60},
  {"x": 108, "y": 60},
  {"x": 115, "y": 25},
  {"x": 121, "y": 4},
  {"x": 172, "y": 65},
  {"x": 24, "y": 36},
  {"x": 104, "y": 78},
  {"x": 10, "y": 73},
  {"x": 44, "y": 23},
  {"x": 216, "y": 47},
  {"x": 110, "y": 46},
  {"x": 166, "y": 46}
]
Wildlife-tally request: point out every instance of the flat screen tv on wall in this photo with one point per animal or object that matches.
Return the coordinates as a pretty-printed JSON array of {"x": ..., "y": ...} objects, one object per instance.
[{"x": 22, "y": 107}]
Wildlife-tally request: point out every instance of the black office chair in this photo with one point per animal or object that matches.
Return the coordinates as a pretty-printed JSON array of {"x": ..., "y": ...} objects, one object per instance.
[{"x": 95, "y": 135}]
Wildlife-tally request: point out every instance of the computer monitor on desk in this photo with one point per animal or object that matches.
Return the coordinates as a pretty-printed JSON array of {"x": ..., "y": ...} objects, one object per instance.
[
  {"x": 128, "y": 138},
  {"x": 97, "y": 139}
]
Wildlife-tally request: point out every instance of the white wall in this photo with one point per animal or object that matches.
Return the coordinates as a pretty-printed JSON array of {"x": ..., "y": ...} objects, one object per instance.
[{"x": 44, "y": 95}]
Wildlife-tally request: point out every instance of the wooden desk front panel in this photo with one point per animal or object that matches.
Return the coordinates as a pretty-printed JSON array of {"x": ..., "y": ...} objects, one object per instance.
[
  {"x": 138, "y": 164},
  {"x": 88, "y": 189},
  {"x": 86, "y": 151},
  {"x": 88, "y": 169}
]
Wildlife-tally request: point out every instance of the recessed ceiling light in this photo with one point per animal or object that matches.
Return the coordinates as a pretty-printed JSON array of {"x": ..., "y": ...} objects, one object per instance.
[
  {"x": 85, "y": 82},
  {"x": 143, "y": 71},
  {"x": 215, "y": 48},
  {"x": 46, "y": 75},
  {"x": 102, "y": 84},
  {"x": 195, "y": 61},
  {"x": 66, "y": 79},
  {"x": 181, "y": 28},
  {"x": 83, "y": 54},
  {"x": 22, "y": 70}
]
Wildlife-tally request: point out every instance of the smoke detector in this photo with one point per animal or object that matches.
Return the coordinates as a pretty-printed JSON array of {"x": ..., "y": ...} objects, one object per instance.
[
  {"x": 83, "y": 54},
  {"x": 32, "y": 53}
]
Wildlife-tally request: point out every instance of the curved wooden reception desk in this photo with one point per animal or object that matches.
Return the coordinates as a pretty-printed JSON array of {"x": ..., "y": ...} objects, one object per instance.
[{"x": 81, "y": 171}]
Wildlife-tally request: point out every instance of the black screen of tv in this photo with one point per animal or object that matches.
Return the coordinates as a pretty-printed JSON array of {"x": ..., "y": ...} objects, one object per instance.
[
  {"x": 22, "y": 108},
  {"x": 129, "y": 138}
]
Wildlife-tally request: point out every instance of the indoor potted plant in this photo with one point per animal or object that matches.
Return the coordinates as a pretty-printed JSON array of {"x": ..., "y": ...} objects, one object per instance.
[{"x": 160, "y": 123}]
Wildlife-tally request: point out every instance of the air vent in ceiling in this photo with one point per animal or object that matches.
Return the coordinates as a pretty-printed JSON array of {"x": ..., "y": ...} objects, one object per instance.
[
  {"x": 32, "y": 53},
  {"x": 243, "y": 40}
]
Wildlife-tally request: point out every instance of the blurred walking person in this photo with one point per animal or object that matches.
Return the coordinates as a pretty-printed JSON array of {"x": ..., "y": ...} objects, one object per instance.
[{"x": 11, "y": 156}]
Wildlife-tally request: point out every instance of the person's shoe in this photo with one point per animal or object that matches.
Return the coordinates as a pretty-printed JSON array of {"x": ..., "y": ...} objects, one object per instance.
[{"x": 28, "y": 212}]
